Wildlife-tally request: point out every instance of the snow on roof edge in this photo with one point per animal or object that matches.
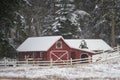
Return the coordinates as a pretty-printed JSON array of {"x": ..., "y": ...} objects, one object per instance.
[{"x": 87, "y": 50}]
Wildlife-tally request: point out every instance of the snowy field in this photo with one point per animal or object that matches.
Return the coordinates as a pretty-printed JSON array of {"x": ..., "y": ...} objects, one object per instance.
[{"x": 108, "y": 69}]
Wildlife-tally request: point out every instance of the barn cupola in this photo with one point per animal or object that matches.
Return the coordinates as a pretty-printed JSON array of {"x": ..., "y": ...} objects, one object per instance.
[{"x": 83, "y": 45}]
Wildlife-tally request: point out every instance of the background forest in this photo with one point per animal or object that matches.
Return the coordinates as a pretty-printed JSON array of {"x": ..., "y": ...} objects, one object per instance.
[{"x": 20, "y": 19}]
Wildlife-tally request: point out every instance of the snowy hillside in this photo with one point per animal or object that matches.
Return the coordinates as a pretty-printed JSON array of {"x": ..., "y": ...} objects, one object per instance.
[{"x": 108, "y": 69}]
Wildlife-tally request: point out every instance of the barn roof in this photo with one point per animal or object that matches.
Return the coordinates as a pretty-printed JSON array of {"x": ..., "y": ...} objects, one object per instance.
[
  {"x": 92, "y": 44},
  {"x": 38, "y": 43},
  {"x": 44, "y": 43}
]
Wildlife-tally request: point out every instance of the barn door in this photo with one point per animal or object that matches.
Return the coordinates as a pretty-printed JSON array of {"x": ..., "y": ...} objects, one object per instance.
[{"x": 59, "y": 55}]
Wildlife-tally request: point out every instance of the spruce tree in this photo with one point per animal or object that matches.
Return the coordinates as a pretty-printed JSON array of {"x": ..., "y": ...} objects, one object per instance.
[
  {"x": 7, "y": 14},
  {"x": 63, "y": 24}
]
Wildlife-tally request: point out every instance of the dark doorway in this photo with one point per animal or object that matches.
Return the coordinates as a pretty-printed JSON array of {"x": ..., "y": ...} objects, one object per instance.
[
  {"x": 84, "y": 58},
  {"x": 73, "y": 55}
]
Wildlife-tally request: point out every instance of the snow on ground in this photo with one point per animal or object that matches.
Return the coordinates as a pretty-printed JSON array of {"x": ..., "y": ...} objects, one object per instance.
[{"x": 109, "y": 69}]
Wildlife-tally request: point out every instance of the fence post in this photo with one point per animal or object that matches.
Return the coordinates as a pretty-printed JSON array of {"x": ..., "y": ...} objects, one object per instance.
[
  {"x": 117, "y": 48},
  {"x": 51, "y": 62},
  {"x": 27, "y": 61},
  {"x": 5, "y": 61},
  {"x": 105, "y": 55},
  {"x": 71, "y": 61},
  {"x": 33, "y": 63},
  {"x": 14, "y": 63},
  {"x": 90, "y": 59}
]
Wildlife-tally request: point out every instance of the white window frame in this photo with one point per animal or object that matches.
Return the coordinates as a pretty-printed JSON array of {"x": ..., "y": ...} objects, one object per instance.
[{"x": 57, "y": 45}]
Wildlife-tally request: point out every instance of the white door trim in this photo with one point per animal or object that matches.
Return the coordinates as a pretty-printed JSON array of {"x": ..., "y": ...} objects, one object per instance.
[{"x": 65, "y": 52}]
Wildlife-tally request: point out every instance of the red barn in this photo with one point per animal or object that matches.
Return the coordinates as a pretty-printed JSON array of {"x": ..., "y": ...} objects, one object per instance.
[{"x": 51, "y": 47}]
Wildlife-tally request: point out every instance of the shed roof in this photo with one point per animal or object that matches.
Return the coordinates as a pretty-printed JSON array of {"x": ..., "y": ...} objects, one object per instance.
[
  {"x": 38, "y": 43},
  {"x": 92, "y": 44}
]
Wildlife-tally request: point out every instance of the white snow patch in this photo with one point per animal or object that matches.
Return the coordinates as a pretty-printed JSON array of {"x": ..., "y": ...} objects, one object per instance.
[
  {"x": 27, "y": 2},
  {"x": 82, "y": 13},
  {"x": 74, "y": 19},
  {"x": 78, "y": 14},
  {"x": 118, "y": 36},
  {"x": 108, "y": 69},
  {"x": 99, "y": 22},
  {"x": 96, "y": 6}
]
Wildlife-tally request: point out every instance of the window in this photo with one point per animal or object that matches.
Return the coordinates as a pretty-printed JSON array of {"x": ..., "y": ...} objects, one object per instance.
[{"x": 59, "y": 44}]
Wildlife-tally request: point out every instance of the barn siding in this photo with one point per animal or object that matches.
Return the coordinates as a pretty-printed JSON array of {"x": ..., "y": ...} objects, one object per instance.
[
  {"x": 35, "y": 55},
  {"x": 64, "y": 47},
  {"x": 79, "y": 52}
]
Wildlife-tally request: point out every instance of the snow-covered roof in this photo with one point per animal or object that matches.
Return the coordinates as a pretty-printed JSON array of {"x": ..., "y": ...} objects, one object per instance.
[
  {"x": 38, "y": 43},
  {"x": 92, "y": 44},
  {"x": 44, "y": 43}
]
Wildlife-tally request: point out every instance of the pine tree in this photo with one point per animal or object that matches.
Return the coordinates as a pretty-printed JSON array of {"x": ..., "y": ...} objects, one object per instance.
[
  {"x": 63, "y": 24},
  {"x": 102, "y": 19},
  {"x": 7, "y": 12}
]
